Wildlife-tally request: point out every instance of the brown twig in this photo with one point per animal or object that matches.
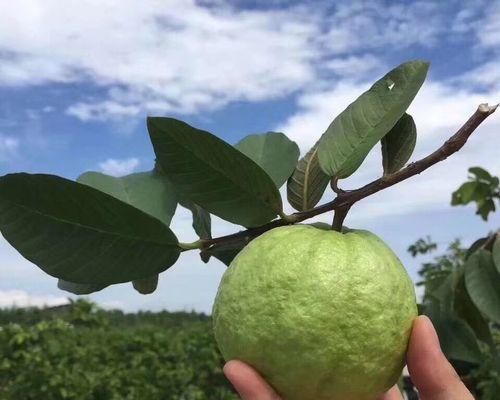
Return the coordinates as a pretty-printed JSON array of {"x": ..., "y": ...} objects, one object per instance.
[
  {"x": 339, "y": 217},
  {"x": 346, "y": 199}
]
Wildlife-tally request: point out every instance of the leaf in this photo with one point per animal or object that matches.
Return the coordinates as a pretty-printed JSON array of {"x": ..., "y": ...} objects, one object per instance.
[
  {"x": 482, "y": 281},
  {"x": 79, "y": 288},
  {"x": 273, "y": 152},
  {"x": 79, "y": 234},
  {"x": 307, "y": 183},
  {"x": 470, "y": 191},
  {"x": 481, "y": 174},
  {"x": 202, "y": 223},
  {"x": 495, "y": 251},
  {"x": 398, "y": 144},
  {"x": 484, "y": 207},
  {"x": 474, "y": 246},
  {"x": 445, "y": 293},
  {"x": 465, "y": 309},
  {"x": 225, "y": 253},
  {"x": 456, "y": 337},
  {"x": 148, "y": 191},
  {"x": 213, "y": 174},
  {"x": 146, "y": 285},
  {"x": 353, "y": 133}
]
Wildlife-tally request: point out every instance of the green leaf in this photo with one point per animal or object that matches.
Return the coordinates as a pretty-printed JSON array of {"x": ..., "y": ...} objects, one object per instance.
[
  {"x": 471, "y": 191},
  {"x": 225, "y": 253},
  {"x": 79, "y": 234},
  {"x": 273, "y": 152},
  {"x": 483, "y": 284},
  {"x": 456, "y": 337},
  {"x": 307, "y": 183},
  {"x": 474, "y": 246},
  {"x": 445, "y": 293},
  {"x": 146, "y": 285},
  {"x": 496, "y": 252},
  {"x": 484, "y": 207},
  {"x": 202, "y": 223},
  {"x": 79, "y": 288},
  {"x": 353, "y": 133},
  {"x": 148, "y": 191},
  {"x": 481, "y": 174},
  {"x": 398, "y": 144},
  {"x": 465, "y": 309},
  {"x": 213, "y": 174}
]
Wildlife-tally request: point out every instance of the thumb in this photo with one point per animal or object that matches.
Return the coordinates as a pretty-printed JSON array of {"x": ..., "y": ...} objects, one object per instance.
[{"x": 430, "y": 371}]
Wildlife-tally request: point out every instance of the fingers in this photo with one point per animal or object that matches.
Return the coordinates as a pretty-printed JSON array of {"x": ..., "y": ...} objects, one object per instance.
[
  {"x": 430, "y": 371},
  {"x": 248, "y": 383},
  {"x": 392, "y": 394}
]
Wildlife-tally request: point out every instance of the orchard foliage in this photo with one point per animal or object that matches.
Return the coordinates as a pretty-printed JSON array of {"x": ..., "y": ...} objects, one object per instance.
[
  {"x": 80, "y": 352},
  {"x": 462, "y": 294},
  {"x": 102, "y": 230}
]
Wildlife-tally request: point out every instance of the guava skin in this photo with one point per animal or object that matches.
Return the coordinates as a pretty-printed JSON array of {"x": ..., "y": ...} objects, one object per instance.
[{"x": 322, "y": 315}]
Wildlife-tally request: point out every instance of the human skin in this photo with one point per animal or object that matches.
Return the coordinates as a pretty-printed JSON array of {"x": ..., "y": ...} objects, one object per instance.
[{"x": 429, "y": 369}]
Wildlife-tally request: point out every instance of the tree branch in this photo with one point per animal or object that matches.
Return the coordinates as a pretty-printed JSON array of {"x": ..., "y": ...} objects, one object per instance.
[
  {"x": 346, "y": 199},
  {"x": 339, "y": 217}
]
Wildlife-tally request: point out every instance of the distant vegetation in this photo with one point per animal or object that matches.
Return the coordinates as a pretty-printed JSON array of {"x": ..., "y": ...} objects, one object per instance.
[{"x": 84, "y": 353}]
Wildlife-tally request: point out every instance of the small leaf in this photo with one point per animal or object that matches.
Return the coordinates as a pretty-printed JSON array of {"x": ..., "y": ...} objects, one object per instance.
[
  {"x": 471, "y": 191},
  {"x": 496, "y": 252},
  {"x": 225, "y": 253},
  {"x": 148, "y": 191},
  {"x": 80, "y": 234},
  {"x": 213, "y": 174},
  {"x": 481, "y": 174},
  {"x": 202, "y": 223},
  {"x": 398, "y": 144},
  {"x": 273, "y": 152},
  {"x": 146, "y": 285},
  {"x": 482, "y": 281},
  {"x": 79, "y": 288},
  {"x": 307, "y": 183},
  {"x": 353, "y": 133},
  {"x": 484, "y": 207}
]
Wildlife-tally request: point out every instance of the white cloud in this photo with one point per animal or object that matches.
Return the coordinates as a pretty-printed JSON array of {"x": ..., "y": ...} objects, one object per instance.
[
  {"x": 488, "y": 31},
  {"x": 182, "y": 56},
  {"x": 354, "y": 66},
  {"x": 8, "y": 147},
  {"x": 117, "y": 167},
  {"x": 102, "y": 110},
  {"x": 174, "y": 54},
  {"x": 20, "y": 298},
  {"x": 367, "y": 25}
]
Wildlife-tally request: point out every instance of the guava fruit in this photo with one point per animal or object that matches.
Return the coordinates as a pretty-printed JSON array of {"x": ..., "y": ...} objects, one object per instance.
[{"x": 322, "y": 315}]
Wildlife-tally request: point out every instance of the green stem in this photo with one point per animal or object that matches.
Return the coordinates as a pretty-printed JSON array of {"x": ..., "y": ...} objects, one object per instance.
[{"x": 199, "y": 244}]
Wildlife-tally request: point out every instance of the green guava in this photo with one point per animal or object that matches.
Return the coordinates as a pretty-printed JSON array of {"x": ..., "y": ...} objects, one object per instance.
[{"x": 322, "y": 315}]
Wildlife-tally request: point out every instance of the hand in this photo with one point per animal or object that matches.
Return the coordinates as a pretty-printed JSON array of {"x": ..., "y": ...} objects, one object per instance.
[{"x": 430, "y": 371}]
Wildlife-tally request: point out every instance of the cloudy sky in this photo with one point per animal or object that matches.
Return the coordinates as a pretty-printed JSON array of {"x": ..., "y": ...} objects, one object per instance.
[{"x": 77, "y": 79}]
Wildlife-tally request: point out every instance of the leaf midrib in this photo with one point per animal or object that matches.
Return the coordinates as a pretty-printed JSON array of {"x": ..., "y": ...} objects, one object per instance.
[
  {"x": 230, "y": 179},
  {"x": 88, "y": 227},
  {"x": 364, "y": 138}
]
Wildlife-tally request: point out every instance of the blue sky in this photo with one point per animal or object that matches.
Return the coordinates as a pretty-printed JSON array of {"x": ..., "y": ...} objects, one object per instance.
[{"x": 78, "y": 78}]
